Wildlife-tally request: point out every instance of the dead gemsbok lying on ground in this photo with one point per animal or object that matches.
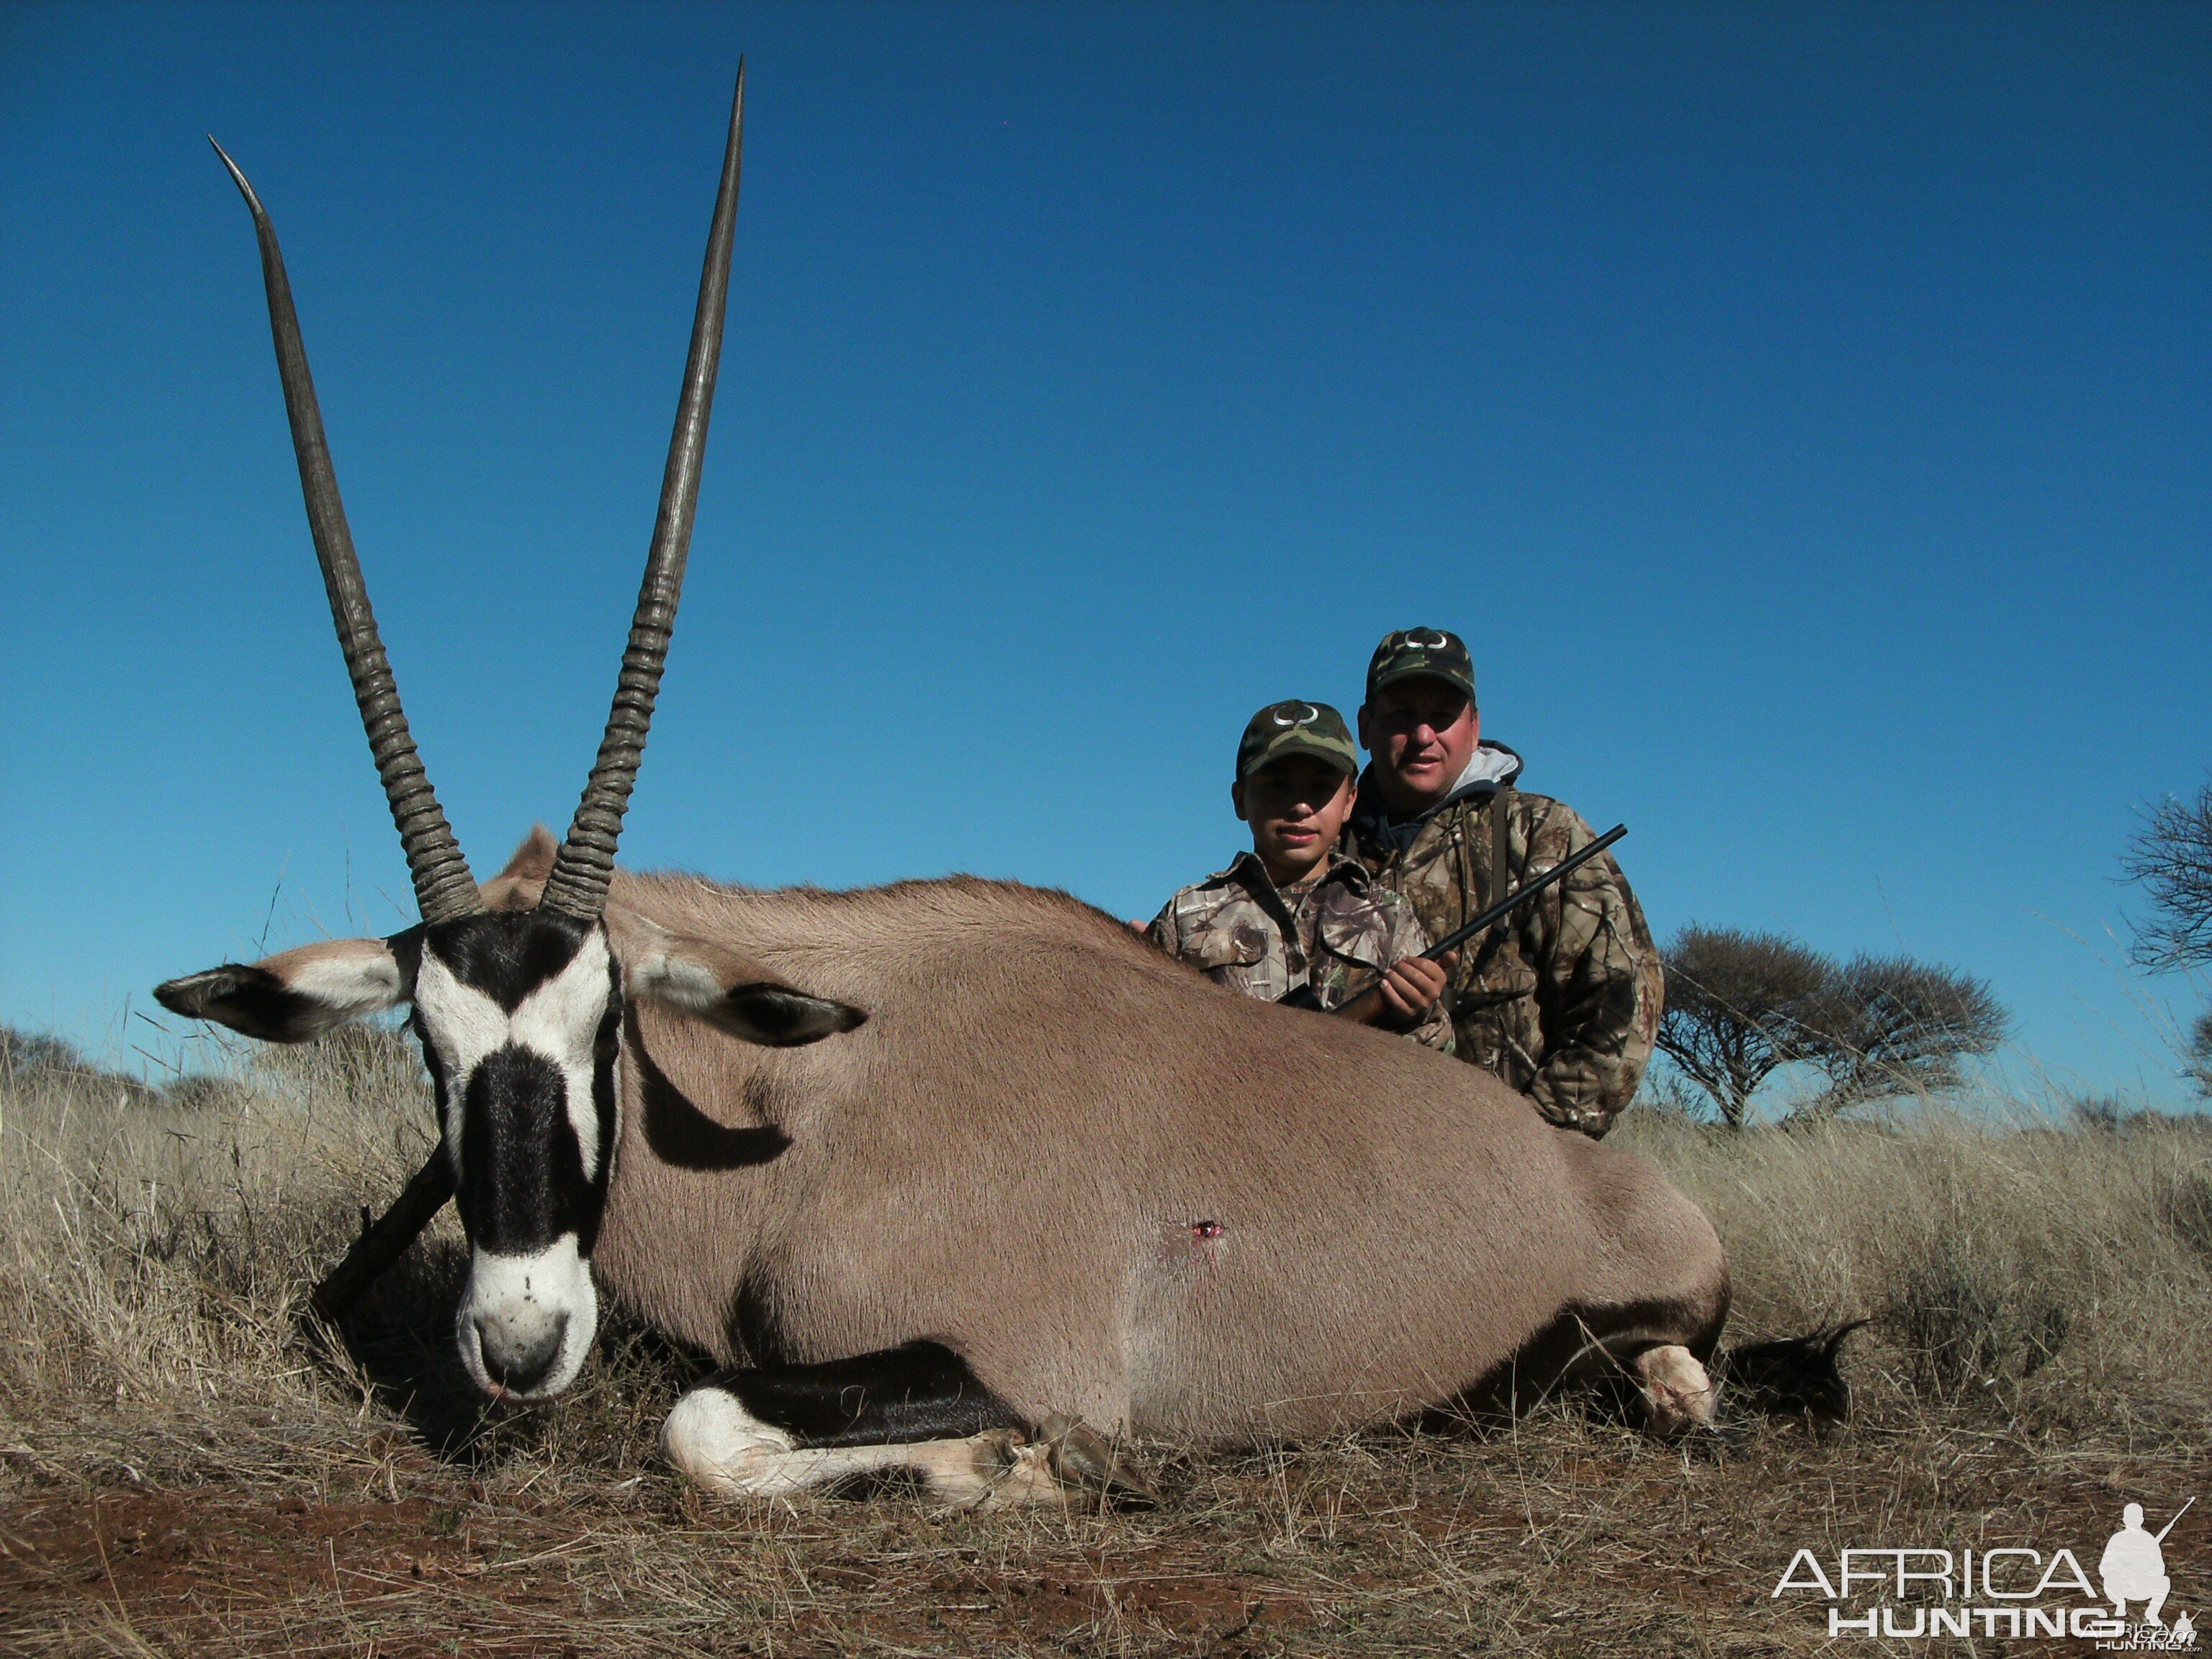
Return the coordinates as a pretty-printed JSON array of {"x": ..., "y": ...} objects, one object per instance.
[{"x": 950, "y": 1168}]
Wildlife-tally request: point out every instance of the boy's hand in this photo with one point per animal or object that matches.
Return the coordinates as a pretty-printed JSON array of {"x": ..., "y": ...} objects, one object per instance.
[{"x": 1405, "y": 994}]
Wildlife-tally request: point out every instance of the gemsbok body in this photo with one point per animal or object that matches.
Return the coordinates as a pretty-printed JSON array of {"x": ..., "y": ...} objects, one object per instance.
[{"x": 957, "y": 1176}]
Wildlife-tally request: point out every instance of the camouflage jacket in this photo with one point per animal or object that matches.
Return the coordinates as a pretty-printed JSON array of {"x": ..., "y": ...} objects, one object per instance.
[
  {"x": 1562, "y": 999},
  {"x": 1341, "y": 934}
]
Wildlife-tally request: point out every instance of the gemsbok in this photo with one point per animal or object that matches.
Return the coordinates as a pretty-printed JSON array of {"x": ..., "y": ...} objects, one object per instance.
[{"x": 959, "y": 1177}]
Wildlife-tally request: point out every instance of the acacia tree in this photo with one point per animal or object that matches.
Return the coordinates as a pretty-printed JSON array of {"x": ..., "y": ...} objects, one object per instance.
[
  {"x": 26, "y": 1054},
  {"x": 31, "y": 1058},
  {"x": 2199, "y": 1058},
  {"x": 2171, "y": 858},
  {"x": 1737, "y": 1010},
  {"x": 1740, "y": 1006},
  {"x": 1891, "y": 1025}
]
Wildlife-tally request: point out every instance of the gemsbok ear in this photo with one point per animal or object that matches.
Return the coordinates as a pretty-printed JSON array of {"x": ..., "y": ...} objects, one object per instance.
[
  {"x": 296, "y": 995},
  {"x": 730, "y": 992}
]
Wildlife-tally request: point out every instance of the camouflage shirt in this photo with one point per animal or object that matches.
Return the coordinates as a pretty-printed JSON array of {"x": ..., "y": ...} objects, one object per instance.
[
  {"x": 1562, "y": 999},
  {"x": 1339, "y": 934}
]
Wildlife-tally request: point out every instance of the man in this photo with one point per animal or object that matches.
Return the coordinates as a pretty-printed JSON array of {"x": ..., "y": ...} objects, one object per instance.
[
  {"x": 1562, "y": 998},
  {"x": 1294, "y": 911},
  {"x": 2133, "y": 1567}
]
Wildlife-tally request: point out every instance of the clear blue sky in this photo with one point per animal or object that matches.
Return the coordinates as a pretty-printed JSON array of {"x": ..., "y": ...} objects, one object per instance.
[{"x": 1803, "y": 409}]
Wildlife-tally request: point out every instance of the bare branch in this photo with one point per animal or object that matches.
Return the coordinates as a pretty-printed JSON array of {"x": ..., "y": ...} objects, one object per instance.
[
  {"x": 2171, "y": 856},
  {"x": 2197, "y": 1059},
  {"x": 1895, "y": 1026},
  {"x": 1737, "y": 1009}
]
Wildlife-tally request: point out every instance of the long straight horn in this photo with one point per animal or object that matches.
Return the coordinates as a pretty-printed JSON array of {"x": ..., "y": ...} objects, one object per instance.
[
  {"x": 443, "y": 886},
  {"x": 586, "y": 863}
]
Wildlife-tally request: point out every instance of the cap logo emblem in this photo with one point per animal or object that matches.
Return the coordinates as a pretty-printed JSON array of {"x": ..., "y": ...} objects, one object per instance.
[
  {"x": 1307, "y": 717},
  {"x": 1435, "y": 640}
]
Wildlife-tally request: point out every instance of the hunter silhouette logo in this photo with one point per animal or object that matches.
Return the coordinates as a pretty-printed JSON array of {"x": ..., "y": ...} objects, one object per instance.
[
  {"x": 2010, "y": 1592},
  {"x": 2133, "y": 1566}
]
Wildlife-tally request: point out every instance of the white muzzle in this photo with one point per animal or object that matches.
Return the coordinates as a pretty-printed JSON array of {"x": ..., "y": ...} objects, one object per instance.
[{"x": 527, "y": 1321}]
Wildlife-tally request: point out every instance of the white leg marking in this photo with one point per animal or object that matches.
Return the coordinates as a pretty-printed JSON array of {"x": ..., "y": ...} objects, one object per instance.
[
  {"x": 1676, "y": 1388},
  {"x": 712, "y": 1439},
  {"x": 715, "y": 1440}
]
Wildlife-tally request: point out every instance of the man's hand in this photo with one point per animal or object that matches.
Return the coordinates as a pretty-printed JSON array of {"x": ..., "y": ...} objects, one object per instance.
[{"x": 1405, "y": 994}]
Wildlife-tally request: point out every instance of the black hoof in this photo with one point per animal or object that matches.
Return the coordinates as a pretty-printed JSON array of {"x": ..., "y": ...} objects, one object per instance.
[{"x": 1080, "y": 1456}]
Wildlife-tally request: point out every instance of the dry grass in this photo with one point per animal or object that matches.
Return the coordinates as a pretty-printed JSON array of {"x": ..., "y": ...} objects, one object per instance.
[{"x": 182, "y": 1471}]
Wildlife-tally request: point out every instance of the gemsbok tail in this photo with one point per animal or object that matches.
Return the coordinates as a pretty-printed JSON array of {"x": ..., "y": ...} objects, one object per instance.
[{"x": 1791, "y": 1376}]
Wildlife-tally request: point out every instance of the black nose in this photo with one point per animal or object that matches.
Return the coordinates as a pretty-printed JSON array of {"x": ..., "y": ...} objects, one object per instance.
[{"x": 520, "y": 1367}]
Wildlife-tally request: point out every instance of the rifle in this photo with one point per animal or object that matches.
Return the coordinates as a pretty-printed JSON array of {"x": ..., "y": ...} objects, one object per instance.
[
  {"x": 1305, "y": 997},
  {"x": 2159, "y": 1537}
]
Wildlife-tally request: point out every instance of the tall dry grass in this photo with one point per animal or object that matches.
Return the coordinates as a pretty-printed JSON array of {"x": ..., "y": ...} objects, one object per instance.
[
  {"x": 2039, "y": 1347},
  {"x": 155, "y": 1247},
  {"x": 155, "y": 1243},
  {"x": 2056, "y": 1277}
]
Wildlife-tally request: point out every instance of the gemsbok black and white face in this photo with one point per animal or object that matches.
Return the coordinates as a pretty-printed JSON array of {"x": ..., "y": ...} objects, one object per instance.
[
  {"x": 519, "y": 1013},
  {"x": 518, "y": 1010}
]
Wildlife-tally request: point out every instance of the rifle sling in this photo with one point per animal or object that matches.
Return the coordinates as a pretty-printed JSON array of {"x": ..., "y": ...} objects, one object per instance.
[
  {"x": 1501, "y": 843},
  {"x": 1499, "y": 885}
]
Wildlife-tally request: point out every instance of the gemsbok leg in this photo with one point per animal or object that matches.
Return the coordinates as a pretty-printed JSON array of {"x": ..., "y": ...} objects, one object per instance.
[{"x": 916, "y": 1409}]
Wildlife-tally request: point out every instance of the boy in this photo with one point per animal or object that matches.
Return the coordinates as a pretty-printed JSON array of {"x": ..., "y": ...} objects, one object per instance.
[{"x": 1294, "y": 910}]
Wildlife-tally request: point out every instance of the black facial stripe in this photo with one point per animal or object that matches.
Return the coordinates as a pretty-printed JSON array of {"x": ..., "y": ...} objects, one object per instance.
[
  {"x": 522, "y": 1174},
  {"x": 406, "y": 947},
  {"x": 605, "y": 1049},
  {"x": 431, "y": 1063},
  {"x": 522, "y": 1180},
  {"x": 507, "y": 954}
]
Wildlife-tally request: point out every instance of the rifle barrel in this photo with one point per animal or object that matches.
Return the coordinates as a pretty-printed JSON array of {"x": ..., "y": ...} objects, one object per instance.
[
  {"x": 1528, "y": 889},
  {"x": 1302, "y": 996},
  {"x": 2168, "y": 1526}
]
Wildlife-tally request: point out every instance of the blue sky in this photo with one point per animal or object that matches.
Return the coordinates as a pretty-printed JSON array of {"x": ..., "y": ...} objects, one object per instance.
[{"x": 1801, "y": 409}]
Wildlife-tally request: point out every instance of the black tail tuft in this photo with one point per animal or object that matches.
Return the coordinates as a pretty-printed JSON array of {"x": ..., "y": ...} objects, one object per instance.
[{"x": 1793, "y": 1375}]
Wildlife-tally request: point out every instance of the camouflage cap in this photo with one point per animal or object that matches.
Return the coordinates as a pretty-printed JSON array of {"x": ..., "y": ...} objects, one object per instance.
[
  {"x": 1296, "y": 727},
  {"x": 1411, "y": 651}
]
